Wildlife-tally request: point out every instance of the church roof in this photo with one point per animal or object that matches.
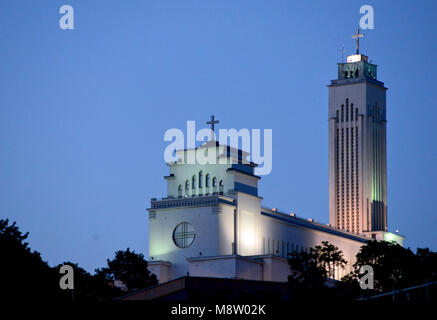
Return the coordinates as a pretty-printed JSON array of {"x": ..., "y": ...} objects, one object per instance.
[
  {"x": 306, "y": 223},
  {"x": 242, "y": 155}
]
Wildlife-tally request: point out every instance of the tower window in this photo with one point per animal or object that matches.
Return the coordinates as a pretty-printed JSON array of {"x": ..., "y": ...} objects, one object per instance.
[
  {"x": 342, "y": 113},
  {"x": 347, "y": 113},
  {"x": 347, "y": 109}
]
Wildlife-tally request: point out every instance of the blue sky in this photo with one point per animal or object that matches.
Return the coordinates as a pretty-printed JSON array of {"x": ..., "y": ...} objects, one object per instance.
[{"x": 83, "y": 112}]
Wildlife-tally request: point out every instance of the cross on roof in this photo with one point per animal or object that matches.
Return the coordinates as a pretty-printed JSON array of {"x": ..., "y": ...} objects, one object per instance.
[
  {"x": 212, "y": 122},
  {"x": 357, "y": 36}
]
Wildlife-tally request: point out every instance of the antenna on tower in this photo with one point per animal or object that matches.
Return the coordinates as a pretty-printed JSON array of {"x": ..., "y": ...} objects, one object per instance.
[{"x": 341, "y": 49}]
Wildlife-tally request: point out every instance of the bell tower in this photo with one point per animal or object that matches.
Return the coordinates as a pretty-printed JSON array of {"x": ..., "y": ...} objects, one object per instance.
[{"x": 357, "y": 147}]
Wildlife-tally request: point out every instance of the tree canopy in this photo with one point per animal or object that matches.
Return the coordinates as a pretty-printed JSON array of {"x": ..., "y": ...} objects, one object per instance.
[
  {"x": 311, "y": 268},
  {"x": 25, "y": 274},
  {"x": 394, "y": 266},
  {"x": 130, "y": 268},
  {"x": 23, "y": 271}
]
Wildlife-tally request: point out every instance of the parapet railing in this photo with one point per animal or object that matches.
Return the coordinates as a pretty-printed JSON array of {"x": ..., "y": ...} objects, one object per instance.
[{"x": 184, "y": 202}]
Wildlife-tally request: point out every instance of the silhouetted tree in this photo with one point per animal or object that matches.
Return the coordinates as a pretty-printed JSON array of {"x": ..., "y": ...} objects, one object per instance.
[
  {"x": 26, "y": 276},
  {"x": 24, "y": 273},
  {"x": 311, "y": 268},
  {"x": 330, "y": 257},
  {"x": 130, "y": 268},
  {"x": 89, "y": 287},
  {"x": 305, "y": 269},
  {"x": 394, "y": 266},
  {"x": 427, "y": 264}
]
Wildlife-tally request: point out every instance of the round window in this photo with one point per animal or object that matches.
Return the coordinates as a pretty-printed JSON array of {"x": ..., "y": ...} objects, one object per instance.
[{"x": 183, "y": 235}]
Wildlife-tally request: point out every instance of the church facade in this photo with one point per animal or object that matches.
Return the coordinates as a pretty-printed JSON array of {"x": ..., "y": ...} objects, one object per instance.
[{"x": 212, "y": 222}]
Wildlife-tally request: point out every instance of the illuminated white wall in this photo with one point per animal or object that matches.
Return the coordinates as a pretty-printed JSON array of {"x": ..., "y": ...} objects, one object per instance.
[
  {"x": 274, "y": 232},
  {"x": 161, "y": 245},
  {"x": 249, "y": 224}
]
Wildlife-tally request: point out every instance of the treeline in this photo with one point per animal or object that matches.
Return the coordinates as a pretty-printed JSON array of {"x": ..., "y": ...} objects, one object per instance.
[
  {"x": 394, "y": 268},
  {"x": 25, "y": 275}
]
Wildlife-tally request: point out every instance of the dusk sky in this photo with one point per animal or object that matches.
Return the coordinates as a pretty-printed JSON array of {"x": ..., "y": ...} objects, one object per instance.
[{"x": 83, "y": 112}]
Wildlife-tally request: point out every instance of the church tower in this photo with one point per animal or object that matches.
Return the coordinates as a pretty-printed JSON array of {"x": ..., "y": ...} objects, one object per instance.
[{"x": 357, "y": 147}]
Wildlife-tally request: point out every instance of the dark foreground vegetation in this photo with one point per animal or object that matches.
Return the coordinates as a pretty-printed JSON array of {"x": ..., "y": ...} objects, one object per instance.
[{"x": 27, "y": 276}]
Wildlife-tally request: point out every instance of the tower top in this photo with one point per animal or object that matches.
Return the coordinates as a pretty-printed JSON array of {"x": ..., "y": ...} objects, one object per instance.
[{"x": 356, "y": 67}]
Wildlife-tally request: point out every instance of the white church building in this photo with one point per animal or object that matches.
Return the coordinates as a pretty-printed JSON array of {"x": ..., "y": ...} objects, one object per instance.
[{"x": 212, "y": 222}]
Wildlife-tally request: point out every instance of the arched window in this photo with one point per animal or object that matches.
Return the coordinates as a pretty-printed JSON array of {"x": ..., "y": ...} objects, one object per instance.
[
  {"x": 193, "y": 182},
  {"x": 180, "y": 191},
  {"x": 214, "y": 182},
  {"x": 207, "y": 180},
  {"x": 200, "y": 179},
  {"x": 221, "y": 186},
  {"x": 187, "y": 185}
]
